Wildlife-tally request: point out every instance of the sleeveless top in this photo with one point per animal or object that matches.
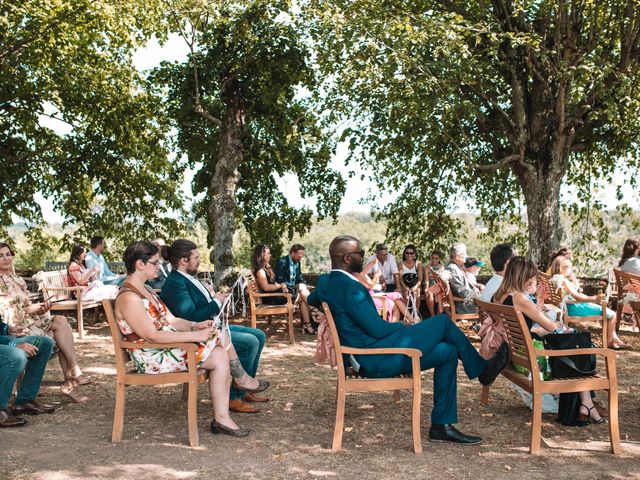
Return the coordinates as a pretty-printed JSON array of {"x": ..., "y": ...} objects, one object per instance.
[
  {"x": 530, "y": 323},
  {"x": 410, "y": 275}
]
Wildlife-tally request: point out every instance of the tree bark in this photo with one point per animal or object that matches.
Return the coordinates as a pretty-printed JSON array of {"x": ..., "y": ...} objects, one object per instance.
[{"x": 222, "y": 205}]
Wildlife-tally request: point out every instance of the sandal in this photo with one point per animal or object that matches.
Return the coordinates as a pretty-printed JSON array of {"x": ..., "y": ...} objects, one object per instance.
[
  {"x": 587, "y": 417},
  {"x": 309, "y": 329},
  {"x": 262, "y": 385},
  {"x": 74, "y": 394},
  {"x": 77, "y": 376}
]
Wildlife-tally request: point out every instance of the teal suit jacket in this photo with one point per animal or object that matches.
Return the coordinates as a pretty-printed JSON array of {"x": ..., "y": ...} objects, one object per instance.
[
  {"x": 354, "y": 312},
  {"x": 184, "y": 299}
]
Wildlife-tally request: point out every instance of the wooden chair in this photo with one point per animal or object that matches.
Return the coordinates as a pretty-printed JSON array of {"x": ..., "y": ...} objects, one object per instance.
[
  {"x": 555, "y": 299},
  {"x": 623, "y": 280},
  {"x": 524, "y": 354},
  {"x": 450, "y": 300},
  {"x": 259, "y": 309},
  {"x": 53, "y": 286},
  {"x": 124, "y": 378},
  {"x": 347, "y": 383}
]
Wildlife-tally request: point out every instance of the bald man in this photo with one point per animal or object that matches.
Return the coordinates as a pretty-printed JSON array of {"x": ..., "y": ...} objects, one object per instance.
[{"x": 438, "y": 338}]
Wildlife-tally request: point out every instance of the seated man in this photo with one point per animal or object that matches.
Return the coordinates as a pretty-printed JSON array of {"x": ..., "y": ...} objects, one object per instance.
[
  {"x": 459, "y": 282},
  {"x": 95, "y": 258},
  {"x": 288, "y": 271},
  {"x": 439, "y": 340},
  {"x": 188, "y": 298},
  {"x": 20, "y": 353},
  {"x": 386, "y": 264}
]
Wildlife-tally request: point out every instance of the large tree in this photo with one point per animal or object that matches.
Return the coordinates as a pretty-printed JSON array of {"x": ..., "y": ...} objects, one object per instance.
[
  {"x": 77, "y": 124},
  {"x": 500, "y": 102},
  {"x": 240, "y": 104}
]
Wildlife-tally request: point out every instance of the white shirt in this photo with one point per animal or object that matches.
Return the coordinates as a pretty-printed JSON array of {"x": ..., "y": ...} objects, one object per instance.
[
  {"x": 631, "y": 265},
  {"x": 346, "y": 273},
  {"x": 491, "y": 287},
  {"x": 389, "y": 268}
]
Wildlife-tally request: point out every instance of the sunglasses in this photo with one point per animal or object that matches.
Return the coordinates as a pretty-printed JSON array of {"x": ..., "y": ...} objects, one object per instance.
[{"x": 359, "y": 252}]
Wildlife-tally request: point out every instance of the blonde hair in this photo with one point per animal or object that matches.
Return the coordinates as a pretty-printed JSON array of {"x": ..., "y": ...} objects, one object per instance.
[
  {"x": 518, "y": 272},
  {"x": 556, "y": 265}
]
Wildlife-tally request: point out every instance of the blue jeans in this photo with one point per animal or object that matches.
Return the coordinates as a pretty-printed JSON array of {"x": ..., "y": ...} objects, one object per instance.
[
  {"x": 14, "y": 360},
  {"x": 248, "y": 343}
]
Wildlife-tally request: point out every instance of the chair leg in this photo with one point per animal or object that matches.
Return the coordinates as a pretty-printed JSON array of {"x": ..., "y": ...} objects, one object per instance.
[
  {"x": 614, "y": 431},
  {"x": 80, "y": 321},
  {"x": 415, "y": 418},
  {"x": 337, "y": 431},
  {"x": 292, "y": 338},
  {"x": 253, "y": 318},
  {"x": 118, "y": 415},
  {"x": 536, "y": 423},
  {"x": 192, "y": 402},
  {"x": 484, "y": 395}
]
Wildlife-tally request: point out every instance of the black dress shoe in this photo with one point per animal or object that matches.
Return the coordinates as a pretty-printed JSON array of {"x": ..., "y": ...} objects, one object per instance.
[
  {"x": 233, "y": 432},
  {"x": 448, "y": 433},
  {"x": 33, "y": 407},
  {"x": 495, "y": 365},
  {"x": 8, "y": 419}
]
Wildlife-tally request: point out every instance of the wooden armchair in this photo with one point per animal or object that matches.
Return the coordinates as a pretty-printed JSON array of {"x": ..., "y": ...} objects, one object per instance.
[
  {"x": 259, "y": 309},
  {"x": 124, "y": 378},
  {"x": 524, "y": 354},
  {"x": 555, "y": 299},
  {"x": 348, "y": 383},
  {"x": 623, "y": 281},
  {"x": 53, "y": 286}
]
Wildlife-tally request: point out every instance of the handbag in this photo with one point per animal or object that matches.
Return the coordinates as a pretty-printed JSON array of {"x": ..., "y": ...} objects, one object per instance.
[
  {"x": 410, "y": 279},
  {"x": 573, "y": 365}
]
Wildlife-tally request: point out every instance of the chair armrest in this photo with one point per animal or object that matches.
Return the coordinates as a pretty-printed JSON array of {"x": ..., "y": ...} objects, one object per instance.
[
  {"x": 457, "y": 299},
  {"x": 64, "y": 289},
  {"x": 605, "y": 352},
  {"x": 137, "y": 346},
  {"x": 272, "y": 295},
  {"x": 409, "y": 352}
]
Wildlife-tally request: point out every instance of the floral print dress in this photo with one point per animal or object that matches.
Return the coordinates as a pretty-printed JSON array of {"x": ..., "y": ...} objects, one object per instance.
[
  {"x": 14, "y": 299},
  {"x": 161, "y": 360}
]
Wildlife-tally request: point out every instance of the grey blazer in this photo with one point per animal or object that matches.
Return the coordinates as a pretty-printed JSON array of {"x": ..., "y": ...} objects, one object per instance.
[{"x": 461, "y": 287}]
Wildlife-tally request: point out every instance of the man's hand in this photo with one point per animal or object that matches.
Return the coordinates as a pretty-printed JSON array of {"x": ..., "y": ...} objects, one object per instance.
[
  {"x": 38, "y": 308},
  {"x": 31, "y": 350}
]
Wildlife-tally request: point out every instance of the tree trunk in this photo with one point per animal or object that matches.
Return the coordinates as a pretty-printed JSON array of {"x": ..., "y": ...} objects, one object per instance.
[
  {"x": 542, "y": 196},
  {"x": 222, "y": 206}
]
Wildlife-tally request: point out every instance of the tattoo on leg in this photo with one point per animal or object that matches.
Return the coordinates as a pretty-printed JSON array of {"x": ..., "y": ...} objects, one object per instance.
[{"x": 237, "y": 371}]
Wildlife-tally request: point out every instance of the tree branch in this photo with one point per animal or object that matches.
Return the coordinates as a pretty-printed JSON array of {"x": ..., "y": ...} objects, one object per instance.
[{"x": 504, "y": 163}]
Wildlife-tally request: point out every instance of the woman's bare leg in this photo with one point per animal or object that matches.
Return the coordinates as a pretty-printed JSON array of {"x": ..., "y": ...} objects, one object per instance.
[
  {"x": 219, "y": 382},
  {"x": 431, "y": 302},
  {"x": 587, "y": 407},
  {"x": 64, "y": 339}
]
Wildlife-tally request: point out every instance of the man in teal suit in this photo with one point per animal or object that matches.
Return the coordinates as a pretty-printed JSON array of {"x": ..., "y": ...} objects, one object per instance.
[
  {"x": 188, "y": 298},
  {"x": 438, "y": 338}
]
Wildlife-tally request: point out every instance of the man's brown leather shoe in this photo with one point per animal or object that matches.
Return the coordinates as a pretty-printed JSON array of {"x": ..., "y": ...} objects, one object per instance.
[
  {"x": 8, "y": 419},
  {"x": 252, "y": 397},
  {"x": 241, "y": 406},
  {"x": 33, "y": 407}
]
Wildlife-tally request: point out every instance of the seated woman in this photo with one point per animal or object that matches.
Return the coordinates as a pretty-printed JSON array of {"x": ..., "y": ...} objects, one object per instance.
[
  {"x": 520, "y": 282},
  {"x": 142, "y": 316},
  {"x": 34, "y": 319},
  {"x": 432, "y": 291},
  {"x": 410, "y": 280},
  {"x": 565, "y": 252},
  {"x": 630, "y": 260},
  {"x": 266, "y": 280},
  {"x": 562, "y": 266},
  {"x": 395, "y": 306},
  {"x": 78, "y": 275}
]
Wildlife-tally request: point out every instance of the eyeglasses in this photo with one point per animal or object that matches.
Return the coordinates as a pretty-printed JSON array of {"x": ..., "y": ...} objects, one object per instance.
[
  {"x": 154, "y": 262},
  {"x": 359, "y": 252}
]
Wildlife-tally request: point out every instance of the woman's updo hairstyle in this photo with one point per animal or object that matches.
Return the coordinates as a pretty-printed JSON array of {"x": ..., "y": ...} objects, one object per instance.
[
  {"x": 141, "y": 250},
  {"x": 180, "y": 249}
]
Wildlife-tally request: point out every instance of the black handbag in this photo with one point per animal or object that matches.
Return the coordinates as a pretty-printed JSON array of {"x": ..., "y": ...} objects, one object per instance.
[
  {"x": 410, "y": 279},
  {"x": 574, "y": 365}
]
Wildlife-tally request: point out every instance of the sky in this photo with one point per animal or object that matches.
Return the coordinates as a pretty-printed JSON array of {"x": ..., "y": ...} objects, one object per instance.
[{"x": 175, "y": 49}]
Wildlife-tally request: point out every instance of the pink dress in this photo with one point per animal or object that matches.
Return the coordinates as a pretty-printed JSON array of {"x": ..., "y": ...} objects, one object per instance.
[{"x": 389, "y": 299}]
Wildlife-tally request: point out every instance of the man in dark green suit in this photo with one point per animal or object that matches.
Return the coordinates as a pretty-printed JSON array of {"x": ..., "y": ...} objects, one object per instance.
[
  {"x": 186, "y": 297},
  {"x": 438, "y": 338}
]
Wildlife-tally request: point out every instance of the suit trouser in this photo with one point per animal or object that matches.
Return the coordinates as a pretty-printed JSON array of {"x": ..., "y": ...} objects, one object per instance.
[
  {"x": 13, "y": 361},
  {"x": 248, "y": 343},
  {"x": 442, "y": 343}
]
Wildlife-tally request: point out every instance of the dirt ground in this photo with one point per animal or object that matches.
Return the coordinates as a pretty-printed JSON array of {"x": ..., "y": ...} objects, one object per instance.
[{"x": 291, "y": 435}]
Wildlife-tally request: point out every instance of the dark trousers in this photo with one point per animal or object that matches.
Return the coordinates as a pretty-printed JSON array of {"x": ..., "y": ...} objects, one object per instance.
[{"x": 442, "y": 344}]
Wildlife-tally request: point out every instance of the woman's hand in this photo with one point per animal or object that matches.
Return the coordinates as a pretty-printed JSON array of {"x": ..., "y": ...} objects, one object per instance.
[
  {"x": 599, "y": 297},
  {"x": 204, "y": 334},
  {"x": 283, "y": 285},
  {"x": 201, "y": 325},
  {"x": 38, "y": 308},
  {"x": 18, "y": 330}
]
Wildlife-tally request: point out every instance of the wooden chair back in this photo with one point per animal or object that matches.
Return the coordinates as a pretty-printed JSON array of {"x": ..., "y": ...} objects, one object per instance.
[
  {"x": 53, "y": 284},
  {"x": 350, "y": 383},
  {"x": 257, "y": 308},
  {"x": 554, "y": 294},
  {"x": 122, "y": 357},
  {"x": 52, "y": 266},
  {"x": 623, "y": 281}
]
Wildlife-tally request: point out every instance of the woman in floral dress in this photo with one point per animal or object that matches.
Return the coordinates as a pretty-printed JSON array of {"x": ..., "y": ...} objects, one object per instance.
[
  {"x": 143, "y": 317},
  {"x": 78, "y": 275},
  {"x": 35, "y": 319}
]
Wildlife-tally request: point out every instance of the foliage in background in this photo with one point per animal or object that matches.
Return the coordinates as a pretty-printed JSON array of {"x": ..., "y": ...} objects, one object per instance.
[{"x": 77, "y": 124}]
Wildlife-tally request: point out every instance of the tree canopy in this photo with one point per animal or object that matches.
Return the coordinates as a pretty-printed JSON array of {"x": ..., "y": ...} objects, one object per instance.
[
  {"x": 77, "y": 122},
  {"x": 500, "y": 102}
]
